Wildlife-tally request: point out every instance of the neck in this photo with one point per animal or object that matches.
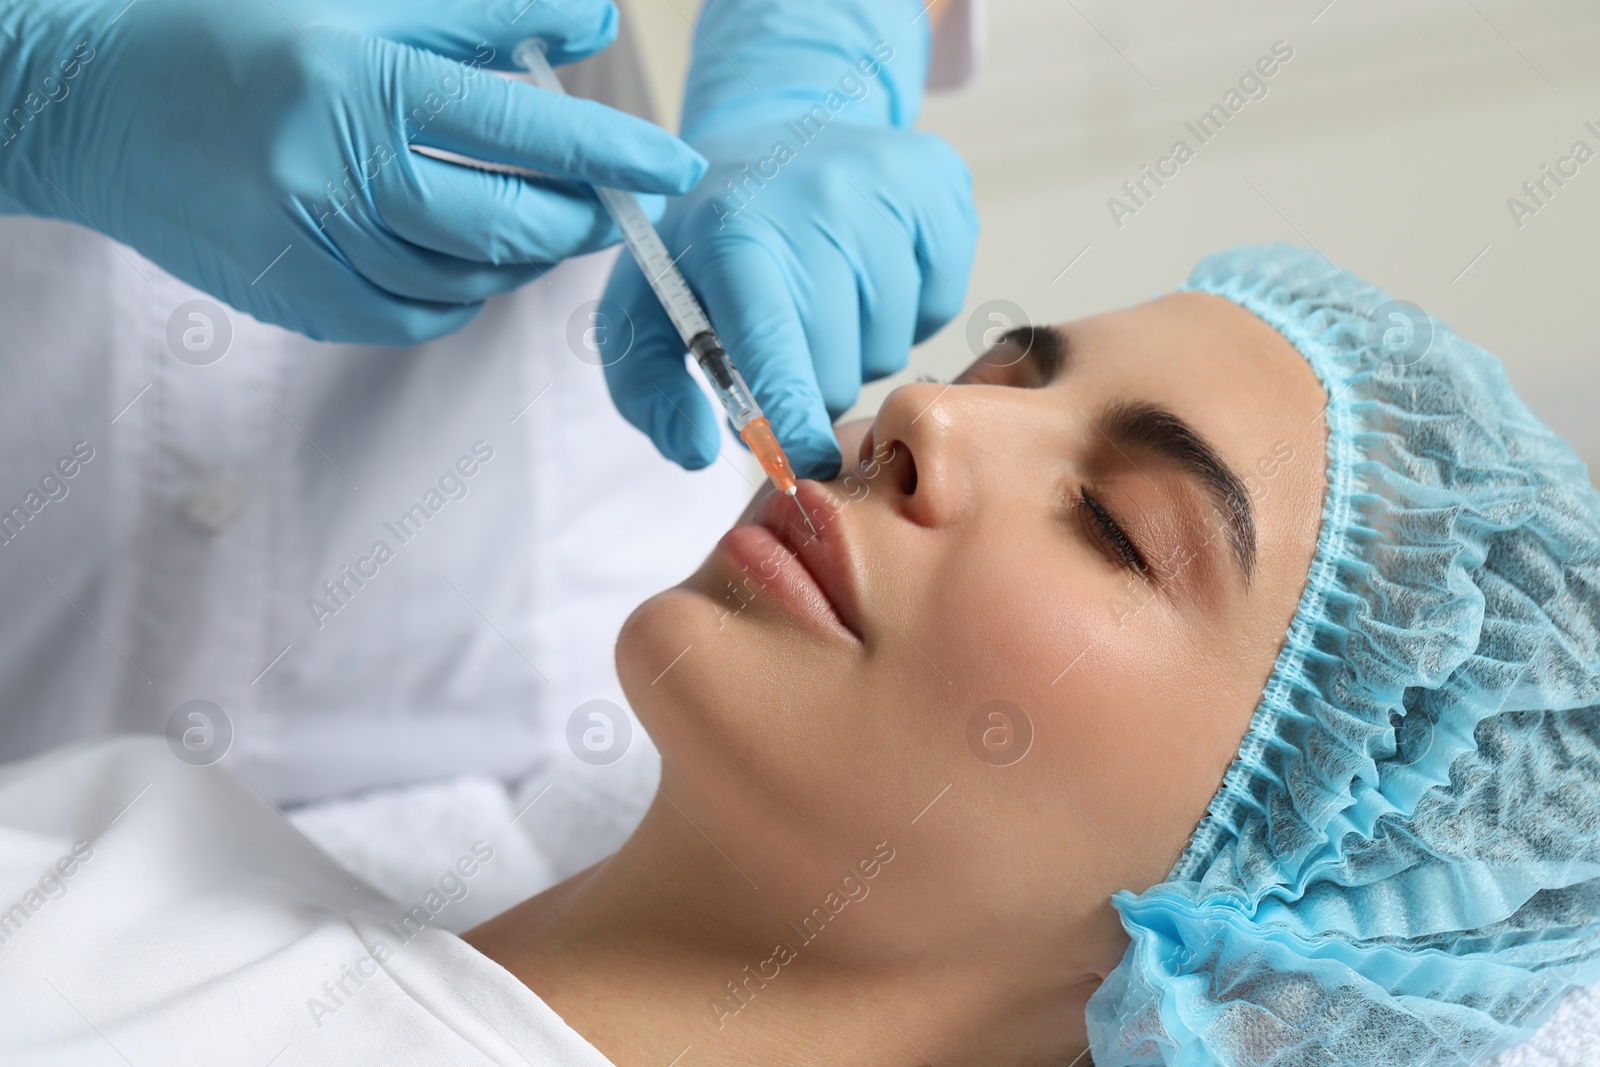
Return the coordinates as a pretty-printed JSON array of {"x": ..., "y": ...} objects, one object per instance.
[{"x": 783, "y": 958}]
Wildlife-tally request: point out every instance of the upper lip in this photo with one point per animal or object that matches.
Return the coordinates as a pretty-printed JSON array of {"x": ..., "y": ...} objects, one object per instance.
[{"x": 827, "y": 555}]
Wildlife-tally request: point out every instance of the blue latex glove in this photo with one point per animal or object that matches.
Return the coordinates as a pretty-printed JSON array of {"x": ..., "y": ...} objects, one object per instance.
[
  {"x": 826, "y": 239},
  {"x": 211, "y": 135}
]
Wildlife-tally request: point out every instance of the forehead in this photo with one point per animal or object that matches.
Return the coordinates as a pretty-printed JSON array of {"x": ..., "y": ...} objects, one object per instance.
[
  {"x": 1195, "y": 352},
  {"x": 1210, "y": 361}
]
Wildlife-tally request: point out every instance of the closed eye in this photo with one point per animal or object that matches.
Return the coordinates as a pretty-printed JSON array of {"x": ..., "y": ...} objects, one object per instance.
[{"x": 1109, "y": 534}]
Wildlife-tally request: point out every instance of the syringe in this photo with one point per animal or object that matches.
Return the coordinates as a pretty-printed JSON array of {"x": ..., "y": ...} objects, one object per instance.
[{"x": 682, "y": 308}]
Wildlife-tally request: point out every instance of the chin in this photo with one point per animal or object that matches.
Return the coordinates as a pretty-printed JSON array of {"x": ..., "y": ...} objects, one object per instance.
[
  {"x": 700, "y": 614},
  {"x": 697, "y": 710},
  {"x": 676, "y": 656},
  {"x": 653, "y": 635}
]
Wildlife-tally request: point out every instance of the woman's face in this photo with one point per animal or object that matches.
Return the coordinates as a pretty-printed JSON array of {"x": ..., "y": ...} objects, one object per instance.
[{"x": 1045, "y": 604}]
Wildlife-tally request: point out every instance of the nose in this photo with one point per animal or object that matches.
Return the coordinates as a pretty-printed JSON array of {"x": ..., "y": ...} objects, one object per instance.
[{"x": 922, "y": 448}]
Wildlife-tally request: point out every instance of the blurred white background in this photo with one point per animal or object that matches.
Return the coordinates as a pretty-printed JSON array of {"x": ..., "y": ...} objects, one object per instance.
[{"x": 1390, "y": 142}]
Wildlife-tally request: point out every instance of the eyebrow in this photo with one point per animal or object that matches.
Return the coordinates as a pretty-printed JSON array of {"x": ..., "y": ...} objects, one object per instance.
[
  {"x": 1045, "y": 346},
  {"x": 1140, "y": 425}
]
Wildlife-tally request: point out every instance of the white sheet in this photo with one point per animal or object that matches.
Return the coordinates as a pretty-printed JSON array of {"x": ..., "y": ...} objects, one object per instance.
[
  {"x": 1569, "y": 1038},
  {"x": 399, "y": 840},
  {"x": 158, "y": 913}
]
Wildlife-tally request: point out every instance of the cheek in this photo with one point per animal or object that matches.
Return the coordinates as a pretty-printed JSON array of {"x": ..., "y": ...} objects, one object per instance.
[
  {"x": 1123, "y": 722},
  {"x": 1007, "y": 625},
  {"x": 1139, "y": 741}
]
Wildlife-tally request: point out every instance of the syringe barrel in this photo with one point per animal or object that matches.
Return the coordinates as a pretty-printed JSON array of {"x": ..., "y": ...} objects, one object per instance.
[
  {"x": 687, "y": 316},
  {"x": 665, "y": 279},
  {"x": 626, "y": 211},
  {"x": 725, "y": 379}
]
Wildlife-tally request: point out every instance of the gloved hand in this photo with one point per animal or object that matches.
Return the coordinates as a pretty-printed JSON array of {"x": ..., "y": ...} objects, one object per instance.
[
  {"x": 827, "y": 238},
  {"x": 257, "y": 149}
]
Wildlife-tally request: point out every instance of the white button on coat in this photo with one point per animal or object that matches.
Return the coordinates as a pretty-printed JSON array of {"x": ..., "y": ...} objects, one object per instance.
[{"x": 215, "y": 503}]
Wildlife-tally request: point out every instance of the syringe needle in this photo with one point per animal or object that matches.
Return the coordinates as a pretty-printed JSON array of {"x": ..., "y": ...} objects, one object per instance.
[{"x": 795, "y": 496}]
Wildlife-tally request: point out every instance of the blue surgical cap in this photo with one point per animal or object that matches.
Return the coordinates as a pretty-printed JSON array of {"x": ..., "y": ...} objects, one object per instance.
[{"x": 1402, "y": 865}]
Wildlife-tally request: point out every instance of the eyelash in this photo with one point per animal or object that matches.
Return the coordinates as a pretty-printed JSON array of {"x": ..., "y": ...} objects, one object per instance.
[{"x": 1106, "y": 528}]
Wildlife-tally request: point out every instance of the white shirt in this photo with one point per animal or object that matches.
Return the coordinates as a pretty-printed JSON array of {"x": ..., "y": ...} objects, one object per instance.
[{"x": 153, "y": 912}]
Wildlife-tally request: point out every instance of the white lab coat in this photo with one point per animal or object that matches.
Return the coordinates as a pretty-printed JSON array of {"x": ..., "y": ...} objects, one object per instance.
[{"x": 186, "y": 557}]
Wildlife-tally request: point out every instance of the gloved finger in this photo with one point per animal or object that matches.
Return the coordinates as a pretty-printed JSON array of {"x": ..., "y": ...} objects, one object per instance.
[
  {"x": 833, "y": 330},
  {"x": 644, "y": 360},
  {"x": 368, "y": 314},
  {"x": 491, "y": 216},
  {"x": 945, "y": 235},
  {"x": 502, "y": 121},
  {"x": 405, "y": 270},
  {"x": 892, "y": 282},
  {"x": 396, "y": 322},
  {"x": 487, "y": 32},
  {"x": 401, "y": 323},
  {"x": 747, "y": 297}
]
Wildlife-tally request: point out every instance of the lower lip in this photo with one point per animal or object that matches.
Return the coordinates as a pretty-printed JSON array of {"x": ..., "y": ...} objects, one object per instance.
[{"x": 771, "y": 570}]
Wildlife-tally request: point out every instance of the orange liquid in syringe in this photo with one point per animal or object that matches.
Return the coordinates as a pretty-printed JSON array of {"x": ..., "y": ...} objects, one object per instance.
[{"x": 759, "y": 436}]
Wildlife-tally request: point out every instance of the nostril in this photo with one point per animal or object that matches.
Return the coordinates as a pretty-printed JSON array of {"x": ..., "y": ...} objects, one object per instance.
[
  {"x": 875, "y": 458},
  {"x": 908, "y": 472}
]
